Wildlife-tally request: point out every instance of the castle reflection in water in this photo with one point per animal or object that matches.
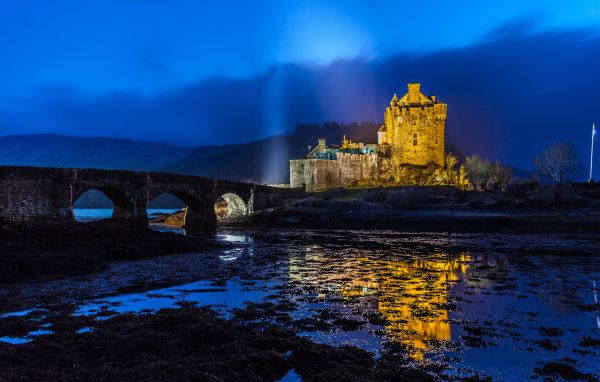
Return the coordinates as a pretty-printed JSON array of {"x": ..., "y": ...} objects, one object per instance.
[{"x": 410, "y": 295}]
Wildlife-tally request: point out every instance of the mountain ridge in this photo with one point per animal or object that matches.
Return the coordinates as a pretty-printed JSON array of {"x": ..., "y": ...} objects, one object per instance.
[{"x": 53, "y": 150}]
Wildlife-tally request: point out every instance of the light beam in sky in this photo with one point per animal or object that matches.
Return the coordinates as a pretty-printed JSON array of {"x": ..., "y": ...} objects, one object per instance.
[{"x": 592, "y": 151}]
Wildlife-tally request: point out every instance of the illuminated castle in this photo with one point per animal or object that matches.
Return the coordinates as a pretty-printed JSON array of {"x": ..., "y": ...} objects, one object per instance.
[{"x": 412, "y": 133}]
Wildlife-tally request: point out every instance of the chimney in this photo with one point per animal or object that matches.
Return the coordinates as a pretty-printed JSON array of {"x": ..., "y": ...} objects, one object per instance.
[
  {"x": 321, "y": 142},
  {"x": 414, "y": 92}
]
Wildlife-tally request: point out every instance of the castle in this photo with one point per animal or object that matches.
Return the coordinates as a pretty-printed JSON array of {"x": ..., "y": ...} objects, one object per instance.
[{"x": 412, "y": 133}]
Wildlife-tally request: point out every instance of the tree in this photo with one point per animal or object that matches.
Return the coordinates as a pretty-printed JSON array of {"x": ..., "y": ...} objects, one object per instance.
[
  {"x": 560, "y": 163},
  {"x": 479, "y": 171},
  {"x": 463, "y": 181},
  {"x": 447, "y": 174},
  {"x": 502, "y": 176}
]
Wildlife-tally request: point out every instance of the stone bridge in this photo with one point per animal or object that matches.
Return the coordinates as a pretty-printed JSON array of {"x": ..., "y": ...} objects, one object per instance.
[{"x": 47, "y": 194}]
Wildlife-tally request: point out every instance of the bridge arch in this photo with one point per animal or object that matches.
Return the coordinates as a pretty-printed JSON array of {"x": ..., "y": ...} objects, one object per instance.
[
  {"x": 92, "y": 205},
  {"x": 122, "y": 206},
  {"x": 166, "y": 209},
  {"x": 230, "y": 205},
  {"x": 199, "y": 213}
]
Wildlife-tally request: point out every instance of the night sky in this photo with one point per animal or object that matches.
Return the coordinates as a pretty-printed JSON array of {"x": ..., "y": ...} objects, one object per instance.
[{"x": 516, "y": 76}]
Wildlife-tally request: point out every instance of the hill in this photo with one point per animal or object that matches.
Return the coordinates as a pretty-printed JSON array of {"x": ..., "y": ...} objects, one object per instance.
[{"x": 106, "y": 153}]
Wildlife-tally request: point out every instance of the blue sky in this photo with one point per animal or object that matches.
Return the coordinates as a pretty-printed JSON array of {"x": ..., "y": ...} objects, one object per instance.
[
  {"x": 194, "y": 73},
  {"x": 149, "y": 46}
]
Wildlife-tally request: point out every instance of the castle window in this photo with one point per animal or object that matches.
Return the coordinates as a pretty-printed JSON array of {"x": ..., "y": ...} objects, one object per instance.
[{"x": 414, "y": 139}]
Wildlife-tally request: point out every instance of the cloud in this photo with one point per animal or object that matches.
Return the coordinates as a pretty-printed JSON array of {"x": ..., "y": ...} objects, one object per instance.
[{"x": 509, "y": 96}]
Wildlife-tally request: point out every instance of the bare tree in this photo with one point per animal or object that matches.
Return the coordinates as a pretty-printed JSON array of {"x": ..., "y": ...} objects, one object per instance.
[
  {"x": 560, "y": 163},
  {"x": 502, "y": 176}
]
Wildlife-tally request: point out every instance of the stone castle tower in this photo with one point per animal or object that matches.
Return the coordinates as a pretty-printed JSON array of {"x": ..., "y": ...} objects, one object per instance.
[{"x": 413, "y": 128}]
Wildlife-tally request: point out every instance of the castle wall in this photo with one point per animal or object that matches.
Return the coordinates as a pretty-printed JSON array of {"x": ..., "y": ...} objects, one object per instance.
[
  {"x": 314, "y": 174},
  {"x": 321, "y": 174},
  {"x": 297, "y": 173},
  {"x": 357, "y": 168},
  {"x": 423, "y": 127}
]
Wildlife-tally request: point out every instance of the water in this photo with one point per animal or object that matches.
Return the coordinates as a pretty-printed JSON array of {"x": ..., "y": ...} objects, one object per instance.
[
  {"x": 91, "y": 214},
  {"x": 232, "y": 295},
  {"x": 23, "y": 340},
  {"x": 291, "y": 376},
  {"x": 497, "y": 305}
]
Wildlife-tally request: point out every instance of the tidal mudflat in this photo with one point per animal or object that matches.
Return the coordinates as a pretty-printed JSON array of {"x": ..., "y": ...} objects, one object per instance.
[{"x": 503, "y": 307}]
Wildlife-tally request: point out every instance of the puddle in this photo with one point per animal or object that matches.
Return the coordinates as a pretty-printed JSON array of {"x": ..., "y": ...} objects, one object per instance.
[
  {"x": 17, "y": 314},
  {"x": 16, "y": 340},
  {"x": 28, "y": 338},
  {"x": 222, "y": 298},
  {"x": 291, "y": 376}
]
